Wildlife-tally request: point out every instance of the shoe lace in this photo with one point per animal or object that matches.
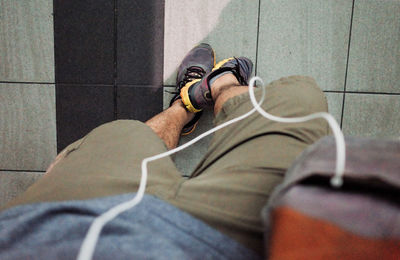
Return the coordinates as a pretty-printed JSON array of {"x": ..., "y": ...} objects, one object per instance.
[{"x": 192, "y": 73}]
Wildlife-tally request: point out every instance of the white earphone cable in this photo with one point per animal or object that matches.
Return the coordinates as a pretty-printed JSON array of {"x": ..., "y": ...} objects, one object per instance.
[{"x": 89, "y": 244}]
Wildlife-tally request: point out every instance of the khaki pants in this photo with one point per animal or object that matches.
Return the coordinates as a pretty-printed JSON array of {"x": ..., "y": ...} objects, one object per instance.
[{"x": 227, "y": 190}]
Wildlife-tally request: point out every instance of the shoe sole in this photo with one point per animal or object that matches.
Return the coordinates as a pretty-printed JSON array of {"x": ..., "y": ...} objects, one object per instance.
[
  {"x": 191, "y": 130},
  {"x": 185, "y": 97}
]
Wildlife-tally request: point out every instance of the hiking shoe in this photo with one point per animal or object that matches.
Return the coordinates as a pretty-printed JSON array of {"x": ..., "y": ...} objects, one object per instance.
[
  {"x": 198, "y": 62},
  {"x": 196, "y": 94}
]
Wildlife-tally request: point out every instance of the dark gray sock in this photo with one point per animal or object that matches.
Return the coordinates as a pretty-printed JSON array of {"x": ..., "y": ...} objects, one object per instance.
[{"x": 217, "y": 76}]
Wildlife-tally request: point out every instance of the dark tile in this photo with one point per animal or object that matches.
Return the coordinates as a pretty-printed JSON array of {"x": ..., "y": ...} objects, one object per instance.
[
  {"x": 139, "y": 102},
  {"x": 140, "y": 42},
  {"x": 84, "y": 41},
  {"x": 80, "y": 109}
]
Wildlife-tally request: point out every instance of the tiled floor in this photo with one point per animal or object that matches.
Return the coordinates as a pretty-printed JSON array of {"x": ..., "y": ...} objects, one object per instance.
[{"x": 69, "y": 66}]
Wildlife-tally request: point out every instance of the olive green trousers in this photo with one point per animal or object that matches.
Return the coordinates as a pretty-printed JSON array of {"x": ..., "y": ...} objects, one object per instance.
[{"x": 228, "y": 188}]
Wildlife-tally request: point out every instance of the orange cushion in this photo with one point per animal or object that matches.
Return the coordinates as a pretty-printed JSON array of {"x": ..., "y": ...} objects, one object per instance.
[{"x": 298, "y": 236}]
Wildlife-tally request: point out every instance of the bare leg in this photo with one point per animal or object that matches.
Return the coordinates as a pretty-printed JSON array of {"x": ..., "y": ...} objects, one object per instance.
[
  {"x": 225, "y": 88},
  {"x": 169, "y": 123}
]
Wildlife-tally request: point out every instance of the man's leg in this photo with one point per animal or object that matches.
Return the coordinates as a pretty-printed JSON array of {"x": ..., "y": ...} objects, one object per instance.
[
  {"x": 224, "y": 88},
  {"x": 169, "y": 123},
  {"x": 246, "y": 161},
  {"x": 107, "y": 162}
]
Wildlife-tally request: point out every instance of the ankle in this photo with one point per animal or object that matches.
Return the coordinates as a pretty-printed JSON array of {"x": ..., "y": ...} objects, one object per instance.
[
  {"x": 185, "y": 115},
  {"x": 222, "y": 84}
]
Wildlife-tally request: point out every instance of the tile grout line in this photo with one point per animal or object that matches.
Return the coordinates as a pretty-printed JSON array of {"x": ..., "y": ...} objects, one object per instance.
[
  {"x": 115, "y": 59},
  {"x": 365, "y": 93},
  {"x": 8, "y": 170},
  {"x": 83, "y": 84},
  {"x": 55, "y": 72},
  {"x": 333, "y": 91},
  {"x": 54, "y": 43},
  {"x": 27, "y": 82},
  {"x": 347, "y": 64},
  {"x": 163, "y": 59},
  {"x": 326, "y": 91},
  {"x": 258, "y": 32}
]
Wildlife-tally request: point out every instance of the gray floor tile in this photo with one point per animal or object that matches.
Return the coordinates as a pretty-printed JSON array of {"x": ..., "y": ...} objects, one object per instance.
[
  {"x": 26, "y": 41},
  {"x": 230, "y": 26},
  {"x": 374, "y": 61},
  {"x": 27, "y": 126},
  {"x": 308, "y": 37},
  {"x": 167, "y": 96},
  {"x": 14, "y": 183},
  {"x": 187, "y": 160},
  {"x": 335, "y": 104},
  {"x": 371, "y": 115}
]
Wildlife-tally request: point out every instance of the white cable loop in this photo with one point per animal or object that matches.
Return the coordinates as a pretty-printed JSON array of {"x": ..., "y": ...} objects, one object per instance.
[
  {"x": 337, "y": 179},
  {"x": 89, "y": 244}
]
